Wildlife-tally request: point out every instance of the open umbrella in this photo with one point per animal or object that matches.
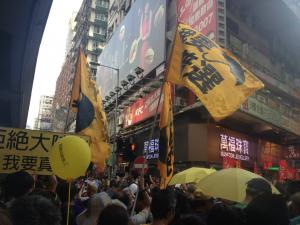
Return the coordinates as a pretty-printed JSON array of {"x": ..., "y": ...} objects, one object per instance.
[
  {"x": 228, "y": 184},
  {"x": 191, "y": 175}
]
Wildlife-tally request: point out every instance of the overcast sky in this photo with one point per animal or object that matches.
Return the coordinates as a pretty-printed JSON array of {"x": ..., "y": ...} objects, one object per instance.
[{"x": 52, "y": 53}]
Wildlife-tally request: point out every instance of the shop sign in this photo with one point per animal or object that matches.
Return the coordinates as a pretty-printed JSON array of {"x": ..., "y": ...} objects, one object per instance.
[
  {"x": 151, "y": 151},
  {"x": 270, "y": 152},
  {"x": 264, "y": 112},
  {"x": 200, "y": 15},
  {"x": 292, "y": 153},
  {"x": 27, "y": 150},
  {"x": 142, "y": 109},
  {"x": 234, "y": 148}
]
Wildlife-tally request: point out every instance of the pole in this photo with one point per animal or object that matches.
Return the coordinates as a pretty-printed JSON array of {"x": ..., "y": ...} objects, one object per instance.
[{"x": 116, "y": 124}]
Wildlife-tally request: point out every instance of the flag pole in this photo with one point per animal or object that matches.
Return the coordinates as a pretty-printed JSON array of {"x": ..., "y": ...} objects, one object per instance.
[{"x": 69, "y": 105}]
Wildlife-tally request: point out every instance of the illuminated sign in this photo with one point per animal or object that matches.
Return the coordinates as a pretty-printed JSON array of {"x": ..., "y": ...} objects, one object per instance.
[
  {"x": 151, "y": 151},
  {"x": 233, "y": 147}
]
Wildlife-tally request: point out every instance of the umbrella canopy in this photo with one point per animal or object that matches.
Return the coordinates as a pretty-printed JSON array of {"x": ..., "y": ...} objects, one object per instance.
[
  {"x": 191, "y": 175},
  {"x": 229, "y": 184}
]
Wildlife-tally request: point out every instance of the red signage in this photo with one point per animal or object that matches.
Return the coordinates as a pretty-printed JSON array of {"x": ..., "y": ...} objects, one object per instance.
[
  {"x": 142, "y": 109},
  {"x": 139, "y": 164},
  {"x": 292, "y": 152},
  {"x": 200, "y": 15},
  {"x": 270, "y": 152}
]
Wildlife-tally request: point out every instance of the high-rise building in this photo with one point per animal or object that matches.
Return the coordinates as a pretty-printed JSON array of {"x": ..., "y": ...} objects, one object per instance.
[
  {"x": 71, "y": 33},
  {"x": 87, "y": 31},
  {"x": 45, "y": 111},
  {"x": 262, "y": 34},
  {"x": 90, "y": 30}
]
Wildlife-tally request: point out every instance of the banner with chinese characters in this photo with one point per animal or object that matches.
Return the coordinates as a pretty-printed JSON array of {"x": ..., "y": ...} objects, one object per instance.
[
  {"x": 292, "y": 152},
  {"x": 28, "y": 150},
  {"x": 234, "y": 148},
  {"x": 151, "y": 151},
  {"x": 270, "y": 152},
  {"x": 213, "y": 74},
  {"x": 200, "y": 15}
]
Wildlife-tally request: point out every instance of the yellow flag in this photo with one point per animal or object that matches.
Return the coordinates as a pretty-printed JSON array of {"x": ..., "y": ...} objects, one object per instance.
[
  {"x": 91, "y": 118},
  {"x": 213, "y": 74},
  {"x": 166, "y": 140}
]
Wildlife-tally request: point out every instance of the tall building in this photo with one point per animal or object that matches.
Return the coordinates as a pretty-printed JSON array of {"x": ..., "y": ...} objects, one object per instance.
[
  {"x": 88, "y": 31},
  {"x": 262, "y": 34},
  {"x": 71, "y": 33},
  {"x": 45, "y": 111}
]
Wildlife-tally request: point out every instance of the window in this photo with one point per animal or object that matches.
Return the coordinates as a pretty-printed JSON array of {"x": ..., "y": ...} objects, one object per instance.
[
  {"x": 102, "y": 3},
  {"x": 95, "y": 44},
  {"x": 99, "y": 30},
  {"x": 101, "y": 17}
]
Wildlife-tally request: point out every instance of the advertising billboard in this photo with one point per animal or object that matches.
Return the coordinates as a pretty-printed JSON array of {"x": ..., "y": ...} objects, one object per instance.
[
  {"x": 200, "y": 15},
  {"x": 142, "y": 109},
  {"x": 139, "y": 41}
]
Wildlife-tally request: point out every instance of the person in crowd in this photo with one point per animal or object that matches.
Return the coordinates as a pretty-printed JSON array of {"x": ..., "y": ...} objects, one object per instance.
[
  {"x": 4, "y": 217},
  {"x": 46, "y": 186},
  {"x": 190, "y": 220},
  {"x": 294, "y": 208},
  {"x": 96, "y": 204},
  {"x": 223, "y": 214},
  {"x": 255, "y": 187},
  {"x": 201, "y": 205},
  {"x": 34, "y": 210},
  {"x": 183, "y": 205},
  {"x": 17, "y": 185},
  {"x": 163, "y": 206},
  {"x": 267, "y": 209},
  {"x": 113, "y": 215},
  {"x": 143, "y": 215}
]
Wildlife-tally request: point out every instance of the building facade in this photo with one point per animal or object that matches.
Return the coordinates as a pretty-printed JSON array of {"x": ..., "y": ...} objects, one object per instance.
[
  {"x": 87, "y": 30},
  {"x": 266, "y": 129},
  {"x": 43, "y": 121}
]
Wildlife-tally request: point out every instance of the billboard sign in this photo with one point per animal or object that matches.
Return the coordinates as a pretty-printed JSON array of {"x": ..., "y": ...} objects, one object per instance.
[
  {"x": 200, "y": 15},
  {"x": 151, "y": 151},
  {"x": 142, "y": 109},
  {"x": 139, "y": 41},
  {"x": 234, "y": 147},
  {"x": 28, "y": 150}
]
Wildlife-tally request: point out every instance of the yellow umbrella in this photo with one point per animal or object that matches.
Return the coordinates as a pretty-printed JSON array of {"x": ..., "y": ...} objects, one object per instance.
[
  {"x": 191, "y": 175},
  {"x": 228, "y": 184}
]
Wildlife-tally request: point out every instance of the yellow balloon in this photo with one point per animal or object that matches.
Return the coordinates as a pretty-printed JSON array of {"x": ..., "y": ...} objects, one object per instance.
[{"x": 70, "y": 157}]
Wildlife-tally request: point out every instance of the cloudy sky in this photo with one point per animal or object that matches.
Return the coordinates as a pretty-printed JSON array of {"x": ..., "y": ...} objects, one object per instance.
[{"x": 52, "y": 53}]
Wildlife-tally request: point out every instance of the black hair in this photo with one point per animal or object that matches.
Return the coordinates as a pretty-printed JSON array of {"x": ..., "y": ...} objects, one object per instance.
[
  {"x": 18, "y": 184},
  {"x": 190, "y": 219},
  {"x": 223, "y": 214},
  {"x": 163, "y": 202},
  {"x": 34, "y": 210},
  {"x": 113, "y": 215},
  {"x": 258, "y": 186},
  {"x": 267, "y": 209}
]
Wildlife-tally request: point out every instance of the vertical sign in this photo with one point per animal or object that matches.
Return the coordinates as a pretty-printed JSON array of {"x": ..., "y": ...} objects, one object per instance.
[{"x": 200, "y": 15}]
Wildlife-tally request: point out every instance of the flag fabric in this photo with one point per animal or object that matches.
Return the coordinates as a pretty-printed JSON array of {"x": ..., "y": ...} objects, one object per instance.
[
  {"x": 91, "y": 118},
  {"x": 166, "y": 139},
  {"x": 213, "y": 74}
]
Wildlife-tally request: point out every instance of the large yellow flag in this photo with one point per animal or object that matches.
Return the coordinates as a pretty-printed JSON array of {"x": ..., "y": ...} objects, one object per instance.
[
  {"x": 166, "y": 139},
  {"x": 214, "y": 75},
  {"x": 91, "y": 118}
]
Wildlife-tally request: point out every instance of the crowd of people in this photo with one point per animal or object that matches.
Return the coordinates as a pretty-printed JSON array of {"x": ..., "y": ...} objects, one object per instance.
[{"x": 132, "y": 200}]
